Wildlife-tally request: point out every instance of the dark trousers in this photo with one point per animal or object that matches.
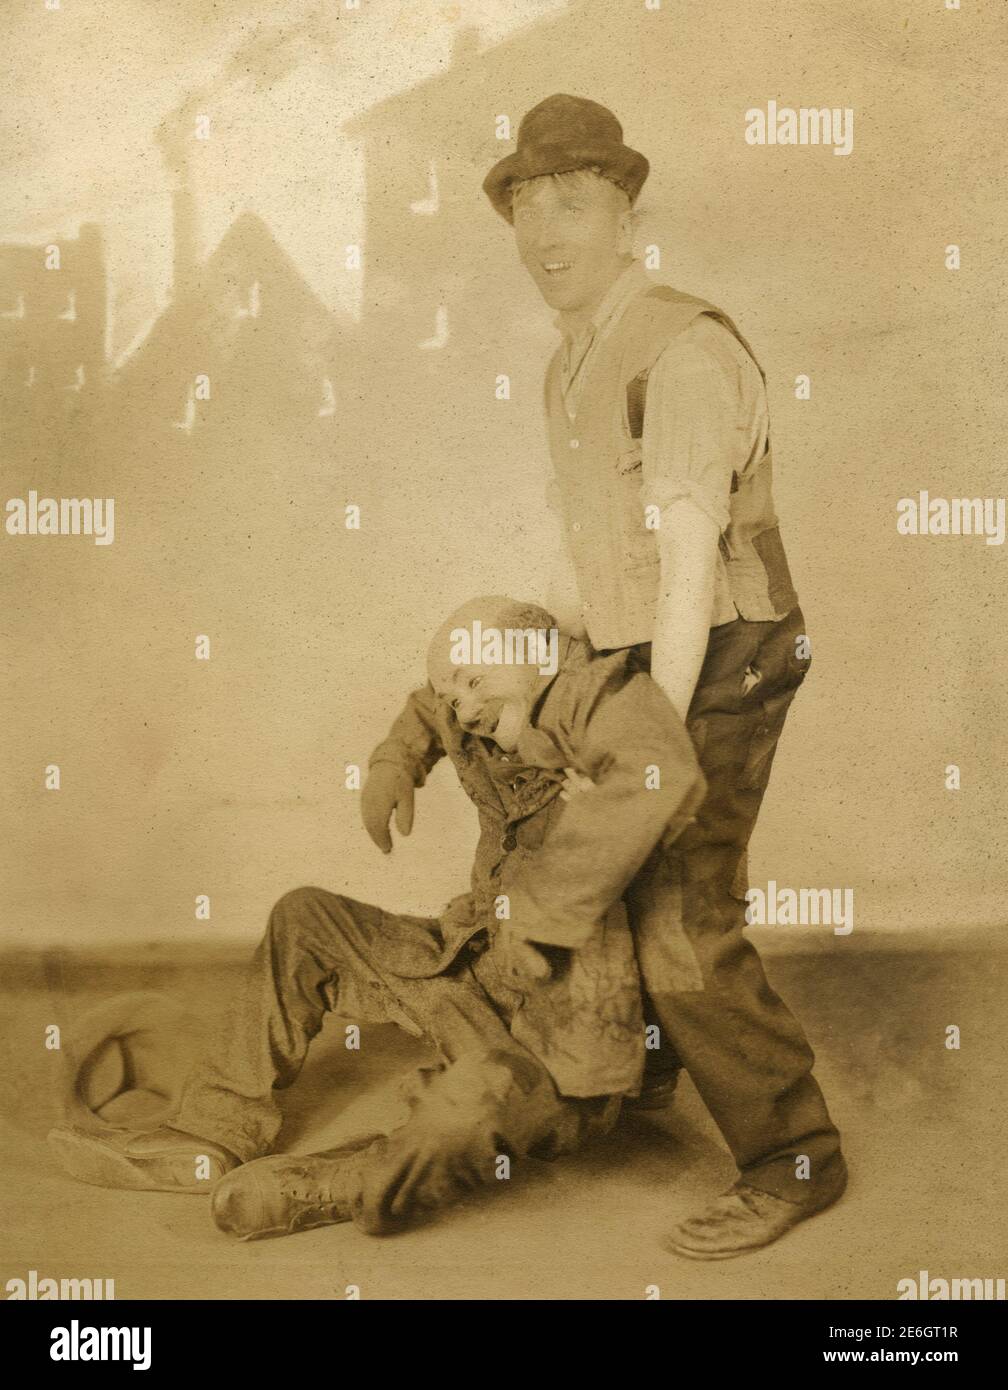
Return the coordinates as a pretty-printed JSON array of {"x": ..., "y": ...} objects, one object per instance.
[{"x": 718, "y": 1016}]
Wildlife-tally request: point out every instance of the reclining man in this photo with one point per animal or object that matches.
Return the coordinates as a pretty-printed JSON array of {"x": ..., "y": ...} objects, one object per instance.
[{"x": 539, "y": 1046}]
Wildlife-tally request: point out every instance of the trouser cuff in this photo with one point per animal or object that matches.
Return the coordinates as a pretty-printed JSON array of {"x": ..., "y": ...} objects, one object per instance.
[{"x": 825, "y": 1184}]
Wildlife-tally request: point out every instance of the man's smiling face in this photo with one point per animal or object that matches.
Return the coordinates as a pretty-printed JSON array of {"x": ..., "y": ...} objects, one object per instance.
[
  {"x": 491, "y": 698},
  {"x": 574, "y": 237},
  {"x": 491, "y": 701}
]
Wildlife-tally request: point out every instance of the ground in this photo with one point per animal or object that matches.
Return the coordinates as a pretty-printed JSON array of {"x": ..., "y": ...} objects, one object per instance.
[{"x": 923, "y": 1126}]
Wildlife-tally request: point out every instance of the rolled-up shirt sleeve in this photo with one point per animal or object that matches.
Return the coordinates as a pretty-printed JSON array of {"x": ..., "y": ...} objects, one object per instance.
[{"x": 705, "y": 419}]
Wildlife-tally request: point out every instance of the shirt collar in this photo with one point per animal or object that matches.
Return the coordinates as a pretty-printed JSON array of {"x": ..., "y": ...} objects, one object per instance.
[{"x": 625, "y": 287}]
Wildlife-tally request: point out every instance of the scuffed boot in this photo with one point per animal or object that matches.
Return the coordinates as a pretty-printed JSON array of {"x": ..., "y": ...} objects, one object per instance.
[
  {"x": 286, "y": 1193},
  {"x": 745, "y": 1219},
  {"x": 157, "y": 1160}
]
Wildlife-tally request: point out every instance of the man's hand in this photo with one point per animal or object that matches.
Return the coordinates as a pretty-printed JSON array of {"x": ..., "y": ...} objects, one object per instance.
[
  {"x": 388, "y": 788},
  {"x": 574, "y": 783}
]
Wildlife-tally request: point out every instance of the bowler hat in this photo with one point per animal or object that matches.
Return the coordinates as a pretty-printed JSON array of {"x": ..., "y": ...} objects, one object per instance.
[
  {"x": 559, "y": 135},
  {"x": 126, "y": 1061}
]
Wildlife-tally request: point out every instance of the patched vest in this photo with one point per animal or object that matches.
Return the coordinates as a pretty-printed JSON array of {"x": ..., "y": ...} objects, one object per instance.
[{"x": 597, "y": 464}]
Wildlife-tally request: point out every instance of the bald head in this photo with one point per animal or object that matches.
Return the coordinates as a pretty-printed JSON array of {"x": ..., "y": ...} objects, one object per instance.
[{"x": 489, "y": 659}]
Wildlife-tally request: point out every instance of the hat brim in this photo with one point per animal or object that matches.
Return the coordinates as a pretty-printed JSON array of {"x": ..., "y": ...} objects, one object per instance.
[{"x": 618, "y": 163}]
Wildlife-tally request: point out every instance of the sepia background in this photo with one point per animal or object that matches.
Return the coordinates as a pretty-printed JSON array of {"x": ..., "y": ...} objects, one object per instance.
[{"x": 372, "y": 128}]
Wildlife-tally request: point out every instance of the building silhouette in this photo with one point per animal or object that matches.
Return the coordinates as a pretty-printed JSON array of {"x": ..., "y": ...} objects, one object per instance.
[
  {"x": 450, "y": 320},
  {"x": 52, "y": 335},
  {"x": 243, "y": 347},
  {"x": 432, "y": 239}
]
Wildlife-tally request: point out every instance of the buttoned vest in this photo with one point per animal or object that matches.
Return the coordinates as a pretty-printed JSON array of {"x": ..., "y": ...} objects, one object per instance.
[{"x": 597, "y": 466}]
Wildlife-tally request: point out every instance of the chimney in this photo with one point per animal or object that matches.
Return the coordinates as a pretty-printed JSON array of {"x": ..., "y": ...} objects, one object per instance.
[
  {"x": 173, "y": 138},
  {"x": 91, "y": 287},
  {"x": 185, "y": 231}
]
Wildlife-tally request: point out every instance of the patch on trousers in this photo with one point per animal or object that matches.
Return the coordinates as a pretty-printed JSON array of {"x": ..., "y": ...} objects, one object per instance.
[
  {"x": 668, "y": 962},
  {"x": 750, "y": 679}
]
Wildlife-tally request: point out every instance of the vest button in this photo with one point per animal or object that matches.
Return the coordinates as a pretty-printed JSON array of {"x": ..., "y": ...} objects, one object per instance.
[
  {"x": 575, "y": 443},
  {"x": 575, "y": 526}
]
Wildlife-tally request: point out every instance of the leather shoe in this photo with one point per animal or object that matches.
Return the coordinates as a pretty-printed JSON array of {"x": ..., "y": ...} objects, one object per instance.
[
  {"x": 741, "y": 1220},
  {"x": 157, "y": 1160},
  {"x": 286, "y": 1193}
]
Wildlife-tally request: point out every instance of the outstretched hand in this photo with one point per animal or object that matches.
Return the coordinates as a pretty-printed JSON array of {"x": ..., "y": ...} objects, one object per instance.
[{"x": 387, "y": 789}]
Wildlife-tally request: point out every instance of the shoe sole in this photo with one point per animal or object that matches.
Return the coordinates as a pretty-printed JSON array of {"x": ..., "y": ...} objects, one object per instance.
[
  {"x": 89, "y": 1161},
  {"x": 705, "y": 1255},
  {"x": 274, "y": 1231}
]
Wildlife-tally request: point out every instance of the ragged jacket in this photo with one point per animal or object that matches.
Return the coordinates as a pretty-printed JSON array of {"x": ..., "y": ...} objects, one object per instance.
[{"x": 556, "y": 870}]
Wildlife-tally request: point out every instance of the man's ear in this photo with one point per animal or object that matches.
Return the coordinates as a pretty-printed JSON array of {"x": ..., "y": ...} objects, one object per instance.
[{"x": 627, "y": 232}]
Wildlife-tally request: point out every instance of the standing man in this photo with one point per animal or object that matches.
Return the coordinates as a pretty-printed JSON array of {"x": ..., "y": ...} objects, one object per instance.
[{"x": 659, "y": 435}]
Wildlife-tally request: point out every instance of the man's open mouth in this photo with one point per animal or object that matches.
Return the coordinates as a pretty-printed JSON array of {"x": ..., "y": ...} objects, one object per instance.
[
  {"x": 485, "y": 726},
  {"x": 553, "y": 268}
]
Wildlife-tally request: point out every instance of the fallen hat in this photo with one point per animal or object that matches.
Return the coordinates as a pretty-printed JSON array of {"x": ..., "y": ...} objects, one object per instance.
[
  {"x": 559, "y": 135},
  {"x": 126, "y": 1061}
]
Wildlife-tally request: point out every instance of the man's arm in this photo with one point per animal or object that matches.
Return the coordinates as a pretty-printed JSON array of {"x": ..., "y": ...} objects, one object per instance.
[
  {"x": 705, "y": 420},
  {"x": 687, "y": 549},
  {"x": 413, "y": 741},
  {"x": 647, "y": 782},
  {"x": 399, "y": 763}
]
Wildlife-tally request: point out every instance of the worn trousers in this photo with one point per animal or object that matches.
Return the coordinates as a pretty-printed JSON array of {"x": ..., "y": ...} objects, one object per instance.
[
  {"x": 487, "y": 1098},
  {"x": 706, "y": 989}
]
